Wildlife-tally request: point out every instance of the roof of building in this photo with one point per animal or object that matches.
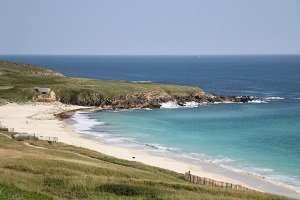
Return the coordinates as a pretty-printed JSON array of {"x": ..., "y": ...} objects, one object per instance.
[{"x": 42, "y": 90}]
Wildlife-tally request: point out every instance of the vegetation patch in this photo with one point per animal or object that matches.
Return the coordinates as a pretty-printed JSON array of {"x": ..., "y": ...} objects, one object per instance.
[
  {"x": 6, "y": 87},
  {"x": 125, "y": 189},
  {"x": 2, "y": 102},
  {"x": 13, "y": 193}
]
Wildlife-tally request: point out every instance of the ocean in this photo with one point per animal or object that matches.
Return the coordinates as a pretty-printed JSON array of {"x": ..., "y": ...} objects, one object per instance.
[{"x": 261, "y": 137}]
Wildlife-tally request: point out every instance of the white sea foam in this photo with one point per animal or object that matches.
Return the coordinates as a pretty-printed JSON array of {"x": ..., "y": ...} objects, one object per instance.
[
  {"x": 119, "y": 140},
  {"x": 257, "y": 101},
  {"x": 223, "y": 102},
  {"x": 284, "y": 181},
  {"x": 170, "y": 104},
  {"x": 160, "y": 147},
  {"x": 297, "y": 98},
  {"x": 267, "y": 174},
  {"x": 191, "y": 104},
  {"x": 263, "y": 169},
  {"x": 222, "y": 160},
  {"x": 274, "y": 98},
  {"x": 141, "y": 81},
  {"x": 83, "y": 123},
  {"x": 173, "y": 104}
]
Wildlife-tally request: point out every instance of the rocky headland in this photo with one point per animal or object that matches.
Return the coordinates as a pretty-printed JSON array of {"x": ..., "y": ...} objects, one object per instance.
[{"x": 23, "y": 82}]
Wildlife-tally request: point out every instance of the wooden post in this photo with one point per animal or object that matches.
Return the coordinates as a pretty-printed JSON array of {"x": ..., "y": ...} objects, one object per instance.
[{"x": 202, "y": 180}]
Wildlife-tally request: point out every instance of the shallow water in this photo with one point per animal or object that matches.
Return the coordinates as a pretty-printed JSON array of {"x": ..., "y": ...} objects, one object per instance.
[{"x": 242, "y": 137}]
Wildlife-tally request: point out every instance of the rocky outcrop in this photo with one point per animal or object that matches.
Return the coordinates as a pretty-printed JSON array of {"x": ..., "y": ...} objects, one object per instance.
[
  {"x": 47, "y": 72},
  {"x": 50, "y": 97},
  {"x": 152, "y": 99}
]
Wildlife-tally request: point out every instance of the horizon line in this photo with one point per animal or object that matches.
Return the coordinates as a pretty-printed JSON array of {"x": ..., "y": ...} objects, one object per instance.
[{"x": 283, "y": 54}]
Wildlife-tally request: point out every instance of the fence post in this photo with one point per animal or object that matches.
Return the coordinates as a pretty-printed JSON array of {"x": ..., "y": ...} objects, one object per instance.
[{"x": 207, "y": 181}]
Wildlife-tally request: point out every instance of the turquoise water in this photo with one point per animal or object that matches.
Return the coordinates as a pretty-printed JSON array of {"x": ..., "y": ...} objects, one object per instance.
[
  {"x": 243, "y": 137},
  {"x": 262, "y": 138}
]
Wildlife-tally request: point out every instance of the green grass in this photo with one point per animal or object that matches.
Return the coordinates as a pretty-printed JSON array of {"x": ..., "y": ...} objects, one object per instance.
[
  {"x": 66, "y": 172},
  {"x": 20, "y": 80},
  {"x": 13, "y": 193},
  {"x": 2, "y": 102}
]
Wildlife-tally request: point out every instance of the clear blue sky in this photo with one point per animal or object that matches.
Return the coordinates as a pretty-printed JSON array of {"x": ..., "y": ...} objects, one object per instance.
[{"x": 155, "y": 27}]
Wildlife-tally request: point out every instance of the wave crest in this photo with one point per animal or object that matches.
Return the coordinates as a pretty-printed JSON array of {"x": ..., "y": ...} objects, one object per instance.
[
  {"x": 170, "y": 104},
  {"x": 257, "y": 101},
  {"x": 274, "y": 98},
  {"x": 141, "y": 82}
]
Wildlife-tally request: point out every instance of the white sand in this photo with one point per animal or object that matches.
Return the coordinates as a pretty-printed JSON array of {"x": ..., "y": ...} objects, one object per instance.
[{"x": 39, "y": 119}]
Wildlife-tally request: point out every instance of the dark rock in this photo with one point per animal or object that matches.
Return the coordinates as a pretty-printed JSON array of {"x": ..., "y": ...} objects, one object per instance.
[
  {"x": 147, "y": 100},
  {"x": 245, "y": 99}
]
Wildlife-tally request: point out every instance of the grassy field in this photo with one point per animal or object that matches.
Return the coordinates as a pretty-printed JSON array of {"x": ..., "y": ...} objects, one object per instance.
[
  {"x": 60, "y": 171},
  {"x": 17, "y": 82}
]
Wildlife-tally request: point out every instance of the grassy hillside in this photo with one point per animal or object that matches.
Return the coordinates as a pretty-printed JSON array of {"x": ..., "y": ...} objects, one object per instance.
[
  {"x": 18, "y": 80},
  {"x": 60, "y": 171}
]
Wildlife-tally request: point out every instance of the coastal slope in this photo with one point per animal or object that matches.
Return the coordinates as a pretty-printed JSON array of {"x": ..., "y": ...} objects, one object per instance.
[{"x": 35, "y": 169}]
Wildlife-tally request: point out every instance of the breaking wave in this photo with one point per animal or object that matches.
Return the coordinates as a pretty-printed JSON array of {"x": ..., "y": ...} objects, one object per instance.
[
  {"x": 192, "y": 104},
  {"x": 257, "y": 101},
  {"x": 141, "y": 82},
  {"x": 274, "y": 98},
  {"x": 170, "y": 104}
]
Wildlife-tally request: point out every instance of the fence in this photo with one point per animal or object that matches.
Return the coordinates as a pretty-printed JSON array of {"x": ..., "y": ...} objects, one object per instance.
[
  {"x": 210, "y": 182},
  {"x": 22, "y": 136},
  {"x": 4, "y": 128},
  {"x": 48, "y": 138}
]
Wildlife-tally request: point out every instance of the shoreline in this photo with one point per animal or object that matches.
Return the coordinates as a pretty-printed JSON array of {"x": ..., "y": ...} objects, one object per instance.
[
  {"x": 245, "y": 178},
  {"x": 41, "y": 119}
]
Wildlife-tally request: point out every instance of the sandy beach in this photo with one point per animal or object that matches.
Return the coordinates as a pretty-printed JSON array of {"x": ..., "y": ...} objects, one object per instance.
[{"x": 39, "y": 119}]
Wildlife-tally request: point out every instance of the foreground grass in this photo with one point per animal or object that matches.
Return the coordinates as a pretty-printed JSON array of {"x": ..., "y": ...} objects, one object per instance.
[
  {"x": 17, "y": 82},
  {"x": 66, "y": 172},
  {"x": 14, "y": 193}
]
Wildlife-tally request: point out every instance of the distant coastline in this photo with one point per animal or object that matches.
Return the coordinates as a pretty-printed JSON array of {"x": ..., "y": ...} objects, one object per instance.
[{"x": 104, "y": 94}]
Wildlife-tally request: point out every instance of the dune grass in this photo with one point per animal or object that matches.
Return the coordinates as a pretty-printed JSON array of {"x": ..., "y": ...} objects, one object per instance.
[
  {"x": 14, "y": 193},
  {"x": 66, "y": 172}
]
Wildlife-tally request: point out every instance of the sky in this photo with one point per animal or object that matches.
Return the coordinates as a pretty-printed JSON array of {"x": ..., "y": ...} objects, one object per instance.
[{"x": 149, "y": 27}]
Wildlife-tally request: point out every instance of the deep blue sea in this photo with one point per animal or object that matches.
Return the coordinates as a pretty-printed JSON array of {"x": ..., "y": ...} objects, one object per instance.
[{"x": 260, "y": 137}]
